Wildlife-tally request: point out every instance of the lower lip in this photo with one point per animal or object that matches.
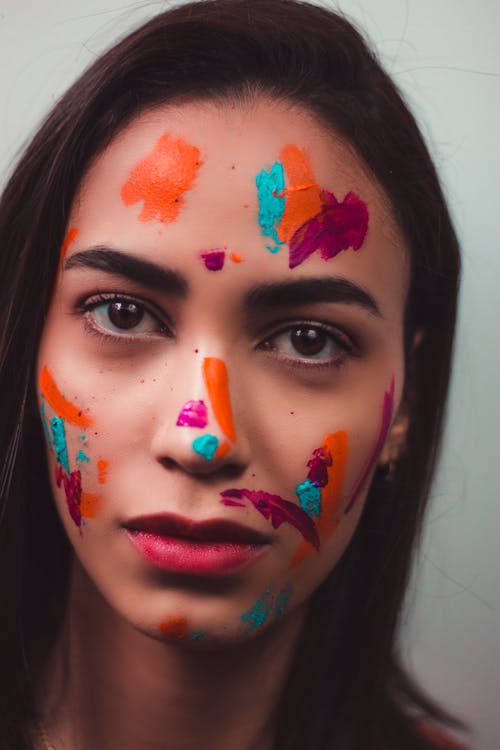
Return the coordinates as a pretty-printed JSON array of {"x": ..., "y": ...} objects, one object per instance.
[{"x": 190, "y": 556}]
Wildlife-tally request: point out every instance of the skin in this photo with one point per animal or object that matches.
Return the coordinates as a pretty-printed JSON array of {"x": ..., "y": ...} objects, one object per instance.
[{"x": 130, "y": 684}]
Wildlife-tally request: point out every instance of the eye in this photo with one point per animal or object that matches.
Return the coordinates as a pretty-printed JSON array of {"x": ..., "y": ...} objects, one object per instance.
[
  {"x": 307, "y": 342},
  {"x": 122, "y": 316}
]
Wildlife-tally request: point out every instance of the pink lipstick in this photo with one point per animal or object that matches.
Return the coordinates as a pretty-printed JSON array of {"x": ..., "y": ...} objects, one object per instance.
[{"x": 209, "y": 548}]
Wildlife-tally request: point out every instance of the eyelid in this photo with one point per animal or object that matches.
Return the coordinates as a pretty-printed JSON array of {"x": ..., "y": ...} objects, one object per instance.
[{"x": 346, "y": 343}]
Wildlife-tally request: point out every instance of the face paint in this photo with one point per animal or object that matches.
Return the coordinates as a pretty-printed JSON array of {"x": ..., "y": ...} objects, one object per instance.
[
  {"x": 102, "y": 470},
  {"x": 206, "y": 446},
  {"x": 387, "y": 409},
  {"x": 73, "y": 490},
  {"x": 222, "y": 450},
  {"x": 82, "y": 457},
  {"x": 89, "y": 504},
  {"x": 311, "y": 219},
  {"x": 328, "y": 460},
  {"x": 309, "y": 498},
  {"x": 277, "y": 510},
  {"x": 59, "y": 442},
  {"x": 336, "y": 227},
  {"x": 64, "y": 408},
  {"x": 193, "y": 414},
  {"x": 270, "y": 186},
  {"x": 214, "y": 260},
  {"x": 70, "y": 236},
  {"x": 161, "y": 179},
  {"x": 267, "y": 606},
  {"x": 216, "y": 380},
  {"x": 236, "y": 258},
  {"x": 175, "y": 627}
]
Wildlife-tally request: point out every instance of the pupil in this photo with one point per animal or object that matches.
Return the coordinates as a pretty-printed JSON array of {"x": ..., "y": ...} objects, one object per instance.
[
  {"x": 125, "y": 314},
  {"x": 308, "y": 341}
]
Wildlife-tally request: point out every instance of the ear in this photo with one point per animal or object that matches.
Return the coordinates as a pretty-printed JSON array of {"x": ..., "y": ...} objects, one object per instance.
[{"x": 395, "y": 442}]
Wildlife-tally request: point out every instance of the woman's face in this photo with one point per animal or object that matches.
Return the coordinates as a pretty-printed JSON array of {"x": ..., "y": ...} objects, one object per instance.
[{"x": 221, "y": 363}]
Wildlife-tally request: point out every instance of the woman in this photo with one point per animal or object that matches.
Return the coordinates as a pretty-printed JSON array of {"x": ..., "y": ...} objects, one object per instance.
[{"x": 230, "y": 282}]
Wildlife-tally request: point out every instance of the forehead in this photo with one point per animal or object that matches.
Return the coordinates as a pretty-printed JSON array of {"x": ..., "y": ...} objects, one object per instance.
[{"x": 223, "y": 148}]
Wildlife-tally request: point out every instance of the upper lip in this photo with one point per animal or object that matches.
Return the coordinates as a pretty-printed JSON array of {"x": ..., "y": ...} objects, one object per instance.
[{"x": 212, "y": 530}]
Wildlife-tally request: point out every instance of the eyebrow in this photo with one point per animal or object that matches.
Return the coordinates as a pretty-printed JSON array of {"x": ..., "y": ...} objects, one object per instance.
[
  {"x": 129, "y": 266},
  {"x": 308, "y": 291}
]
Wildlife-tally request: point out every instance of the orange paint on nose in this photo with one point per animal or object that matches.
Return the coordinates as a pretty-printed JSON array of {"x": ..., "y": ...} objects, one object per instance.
[
  {"x": 222, "y": 450},
  {"x": 161, "y": 179},
  {"x": 216, "y": 380},
  {"x": 89, "y": 504},
  {"x": 336, "y": 445},
  {"x": 102, "y": 470},
  {"x": 302, "y": 194},
  {"x": 61, "y": 405},
  {"x": 175, "y": 627}
]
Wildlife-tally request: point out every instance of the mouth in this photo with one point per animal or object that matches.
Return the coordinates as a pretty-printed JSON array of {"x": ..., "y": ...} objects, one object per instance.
[{"x": 181, "y": 545}]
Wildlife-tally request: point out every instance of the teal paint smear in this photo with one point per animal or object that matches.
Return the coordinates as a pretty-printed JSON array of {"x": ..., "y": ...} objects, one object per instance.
[
  {"x": 205, "y": 446},
  {"x": 281, "y": 602},
  {"x": 197, "y": 636},
  {"x": 258, "y": 613},
  {"x": 309, "y": 498},
  {"x": 271, "y": 204},
  {"x": 81, "y": 456},
  {"x": 59, "y": 440},
  {"x": 45, "y": 424}
]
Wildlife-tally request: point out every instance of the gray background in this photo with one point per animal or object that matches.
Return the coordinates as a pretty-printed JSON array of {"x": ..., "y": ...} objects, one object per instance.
[{"x": 444, "y": 55}]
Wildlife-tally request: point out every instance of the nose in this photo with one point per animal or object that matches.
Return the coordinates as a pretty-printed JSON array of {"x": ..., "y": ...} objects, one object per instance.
[{"x": 198, "y": 433}]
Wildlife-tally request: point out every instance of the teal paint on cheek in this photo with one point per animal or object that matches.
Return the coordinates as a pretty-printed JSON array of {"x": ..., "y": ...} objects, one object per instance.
[
  {"x": 197, "y": 636},
  {"x": 282, "y": 600},
  {"x": 270, "y": 185},
  {"x": 82, "y": 457},
  {"x": 258, "y": 613},
  {"x": 205, "y": 446},
  {"x": 309, "y": 498},
  {"x": 59, "y": 440}
]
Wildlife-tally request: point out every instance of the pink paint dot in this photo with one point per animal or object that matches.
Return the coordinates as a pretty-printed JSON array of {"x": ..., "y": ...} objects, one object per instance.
[
  {"x": 196, "y": 351},
  {"x": 214, "y": 259}
]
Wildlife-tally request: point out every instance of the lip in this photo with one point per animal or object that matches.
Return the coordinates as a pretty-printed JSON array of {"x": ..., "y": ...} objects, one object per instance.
[{"x": 180, "y": 545}]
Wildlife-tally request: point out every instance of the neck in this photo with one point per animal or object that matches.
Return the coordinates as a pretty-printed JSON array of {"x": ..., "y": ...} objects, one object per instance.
[{"x": 108, "y": 685}]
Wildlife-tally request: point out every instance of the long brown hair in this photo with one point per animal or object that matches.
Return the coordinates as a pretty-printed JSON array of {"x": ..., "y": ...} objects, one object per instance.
[{"x": 346, "y": 688}]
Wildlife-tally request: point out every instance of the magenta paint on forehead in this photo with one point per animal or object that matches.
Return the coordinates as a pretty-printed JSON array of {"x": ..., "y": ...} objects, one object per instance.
[
  {"x": 336, "y": 227},
  {"x": 193, "y": 414},
  {"x": 277, "y": 510},
  {"x": 318, "y": 467},
  {"x": 387, "y": 409},
  {"x": 214, "y": 260},
  {"x": 73, "y": 489}
]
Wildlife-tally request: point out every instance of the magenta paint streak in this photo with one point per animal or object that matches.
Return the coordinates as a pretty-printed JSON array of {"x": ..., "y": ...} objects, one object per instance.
[
  {"x": 387, "y": 409},
  {"x": 318, "y": 467},
  {"x": 193, "y": 414},
  {"x": 214, "y": 260},
  {"x": 73, "y": 489},
  {"x": 337, "y": 227},
  {"x": 277, "y": 510}
]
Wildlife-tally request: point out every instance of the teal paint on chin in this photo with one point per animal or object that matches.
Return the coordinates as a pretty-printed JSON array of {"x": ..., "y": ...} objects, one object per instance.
[
  {"x": 206, "y": 446},
  {"x": 270, "y": 184},
  {"x": 258, "y": 613},
  {"x": 59, "y": 441},
  {"x": 82, "y": 457},
  {"x": 309, "y": 498}
]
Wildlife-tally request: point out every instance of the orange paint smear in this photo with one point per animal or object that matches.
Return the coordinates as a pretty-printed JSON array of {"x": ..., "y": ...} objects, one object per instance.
[
  {"x": 216, "y": 380},
  {"x": 61, "y": 405},
  {"x": 236, "y": 258},
  {"x": 175, "y": 627},
  {"x": 222, "y": 450},
  {"x": 70, "y": 237},
  {"x": 331, "y": 494},
  {"x": 89, "y": 504},
  {"x": 102, "y": 470},
  {"x": 161, "y": 179},
  {"x": 303, "y": 194}
]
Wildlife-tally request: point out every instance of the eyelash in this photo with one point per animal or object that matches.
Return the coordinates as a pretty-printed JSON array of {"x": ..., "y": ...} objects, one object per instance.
[{"x": 346, "y": 345}]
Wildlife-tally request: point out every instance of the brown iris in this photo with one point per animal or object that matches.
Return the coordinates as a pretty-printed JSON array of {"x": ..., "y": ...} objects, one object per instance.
[
  {"x": 308, "y": 341},
  {"x": 125, "y": 315}
]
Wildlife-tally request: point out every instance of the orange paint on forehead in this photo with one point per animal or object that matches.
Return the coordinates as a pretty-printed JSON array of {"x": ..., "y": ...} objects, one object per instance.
[
  {"x": 336, "y": 446},
  {"x": 216, "y": 380},
  {"x": 161, "y": 179},
  {"x": 59, "y": 403},
  {"x": 302, "y": 194},
  {"x": 175, "y": 627},
  {"x": 70, "y": 237}
]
